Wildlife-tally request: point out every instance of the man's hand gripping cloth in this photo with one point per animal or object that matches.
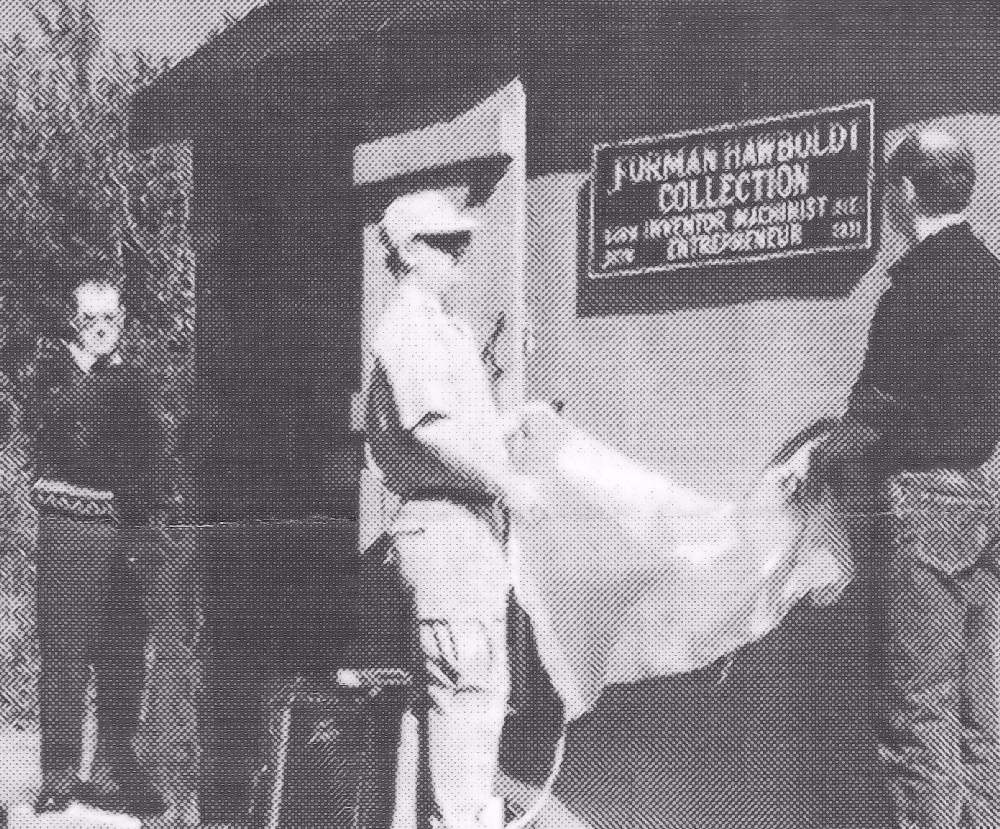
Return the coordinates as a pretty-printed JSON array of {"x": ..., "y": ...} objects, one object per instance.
[{"x": 631, "y": 576}]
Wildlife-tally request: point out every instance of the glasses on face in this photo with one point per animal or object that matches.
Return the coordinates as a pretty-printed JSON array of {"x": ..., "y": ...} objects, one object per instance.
[{"x": 110, "y": 318}]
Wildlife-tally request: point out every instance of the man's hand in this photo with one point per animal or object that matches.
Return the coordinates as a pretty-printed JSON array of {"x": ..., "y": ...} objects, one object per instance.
[{"x": 847, "y": 460}]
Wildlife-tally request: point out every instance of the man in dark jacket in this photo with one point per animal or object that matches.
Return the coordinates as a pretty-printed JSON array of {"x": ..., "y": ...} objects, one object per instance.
[
  {"x": 102, "y": 492},
  {"x": 922, "y": 425}
]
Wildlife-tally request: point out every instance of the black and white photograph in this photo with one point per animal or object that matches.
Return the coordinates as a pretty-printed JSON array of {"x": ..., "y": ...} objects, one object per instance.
[{"x": 499, "y": 414}]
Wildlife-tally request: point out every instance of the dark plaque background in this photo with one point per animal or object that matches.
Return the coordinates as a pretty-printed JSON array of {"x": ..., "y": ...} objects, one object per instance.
[{"x": 838, "y": 227}]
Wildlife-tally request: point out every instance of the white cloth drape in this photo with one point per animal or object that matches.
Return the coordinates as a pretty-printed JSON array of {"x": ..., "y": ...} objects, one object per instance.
[{"x": 631, "y": 576}]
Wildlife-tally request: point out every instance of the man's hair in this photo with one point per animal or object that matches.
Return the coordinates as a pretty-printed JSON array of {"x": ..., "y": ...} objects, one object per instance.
[
  {"x": 96, "y": 285},
  {"x": 941, "y": 167},
  {"x": 88, "y": 277}
]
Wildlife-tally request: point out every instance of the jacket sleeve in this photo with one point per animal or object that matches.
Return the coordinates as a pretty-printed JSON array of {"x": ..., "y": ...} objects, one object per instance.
[
  {"x": 855, "y": 455},
  {"x": 876, "y": 408},
  {"x": 872, "y": 415}
]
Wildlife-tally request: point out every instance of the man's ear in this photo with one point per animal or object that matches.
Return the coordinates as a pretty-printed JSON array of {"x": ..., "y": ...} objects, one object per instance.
[{"x": 909, "y": 191}]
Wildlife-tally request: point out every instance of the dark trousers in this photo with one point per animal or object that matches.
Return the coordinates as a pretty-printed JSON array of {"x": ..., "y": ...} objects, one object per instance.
[
  {"x": 939, "y": 746},
  {"x": 90, "y": 612}
]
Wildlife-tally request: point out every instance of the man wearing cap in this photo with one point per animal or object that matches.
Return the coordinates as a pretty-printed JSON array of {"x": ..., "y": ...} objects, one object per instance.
[
  {"x": 921, "y": 430},
  {"x": 436, "y": 435}
]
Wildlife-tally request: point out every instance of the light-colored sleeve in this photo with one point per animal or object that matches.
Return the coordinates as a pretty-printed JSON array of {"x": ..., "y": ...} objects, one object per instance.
[{"x": 417, "y": 362}]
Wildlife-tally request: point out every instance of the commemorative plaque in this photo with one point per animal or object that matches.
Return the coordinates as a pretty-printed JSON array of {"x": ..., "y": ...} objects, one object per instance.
[{"x": 790, "y": 185}]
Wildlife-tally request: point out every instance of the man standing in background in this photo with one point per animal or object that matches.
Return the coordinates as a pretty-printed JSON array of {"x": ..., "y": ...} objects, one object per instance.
[
  {"x": 923, "y": 421},
  {"x": 102, "y": 492},
  {"x": 436, "y": 435}
]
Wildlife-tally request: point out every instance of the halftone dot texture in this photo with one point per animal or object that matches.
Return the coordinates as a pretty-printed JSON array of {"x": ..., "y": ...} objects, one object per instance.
[
  {"x": 703, "y": 394},
  {"x": 73, "y": 197}
]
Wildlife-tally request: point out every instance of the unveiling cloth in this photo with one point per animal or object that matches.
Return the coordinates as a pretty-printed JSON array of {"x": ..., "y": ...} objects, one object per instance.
[{"x": 631, "y": 576}]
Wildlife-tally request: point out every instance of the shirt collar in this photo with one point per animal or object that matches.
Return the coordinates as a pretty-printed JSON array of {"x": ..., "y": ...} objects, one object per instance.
[
  {"x": 86, "y": 362},
  {"x": 932, "y": 225}
]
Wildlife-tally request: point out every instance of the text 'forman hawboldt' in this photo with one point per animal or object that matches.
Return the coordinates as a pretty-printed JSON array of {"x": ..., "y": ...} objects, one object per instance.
[{"x": 799, "y": 184}]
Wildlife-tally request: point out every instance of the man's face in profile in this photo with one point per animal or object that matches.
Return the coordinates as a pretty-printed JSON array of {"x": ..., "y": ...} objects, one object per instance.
[
  {"x": 436, "y": 260},
  {"x": 99, "y": 319}
]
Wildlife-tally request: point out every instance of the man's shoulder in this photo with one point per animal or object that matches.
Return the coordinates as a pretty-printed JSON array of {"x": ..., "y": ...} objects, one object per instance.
[
  {"x": 964, "y": 282},
  {"x": 971, "y": 263},
  {"x": 961, "y": 240},
  {"x": 985, "y": 254},
  {"x": 949, "y": 258}
]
